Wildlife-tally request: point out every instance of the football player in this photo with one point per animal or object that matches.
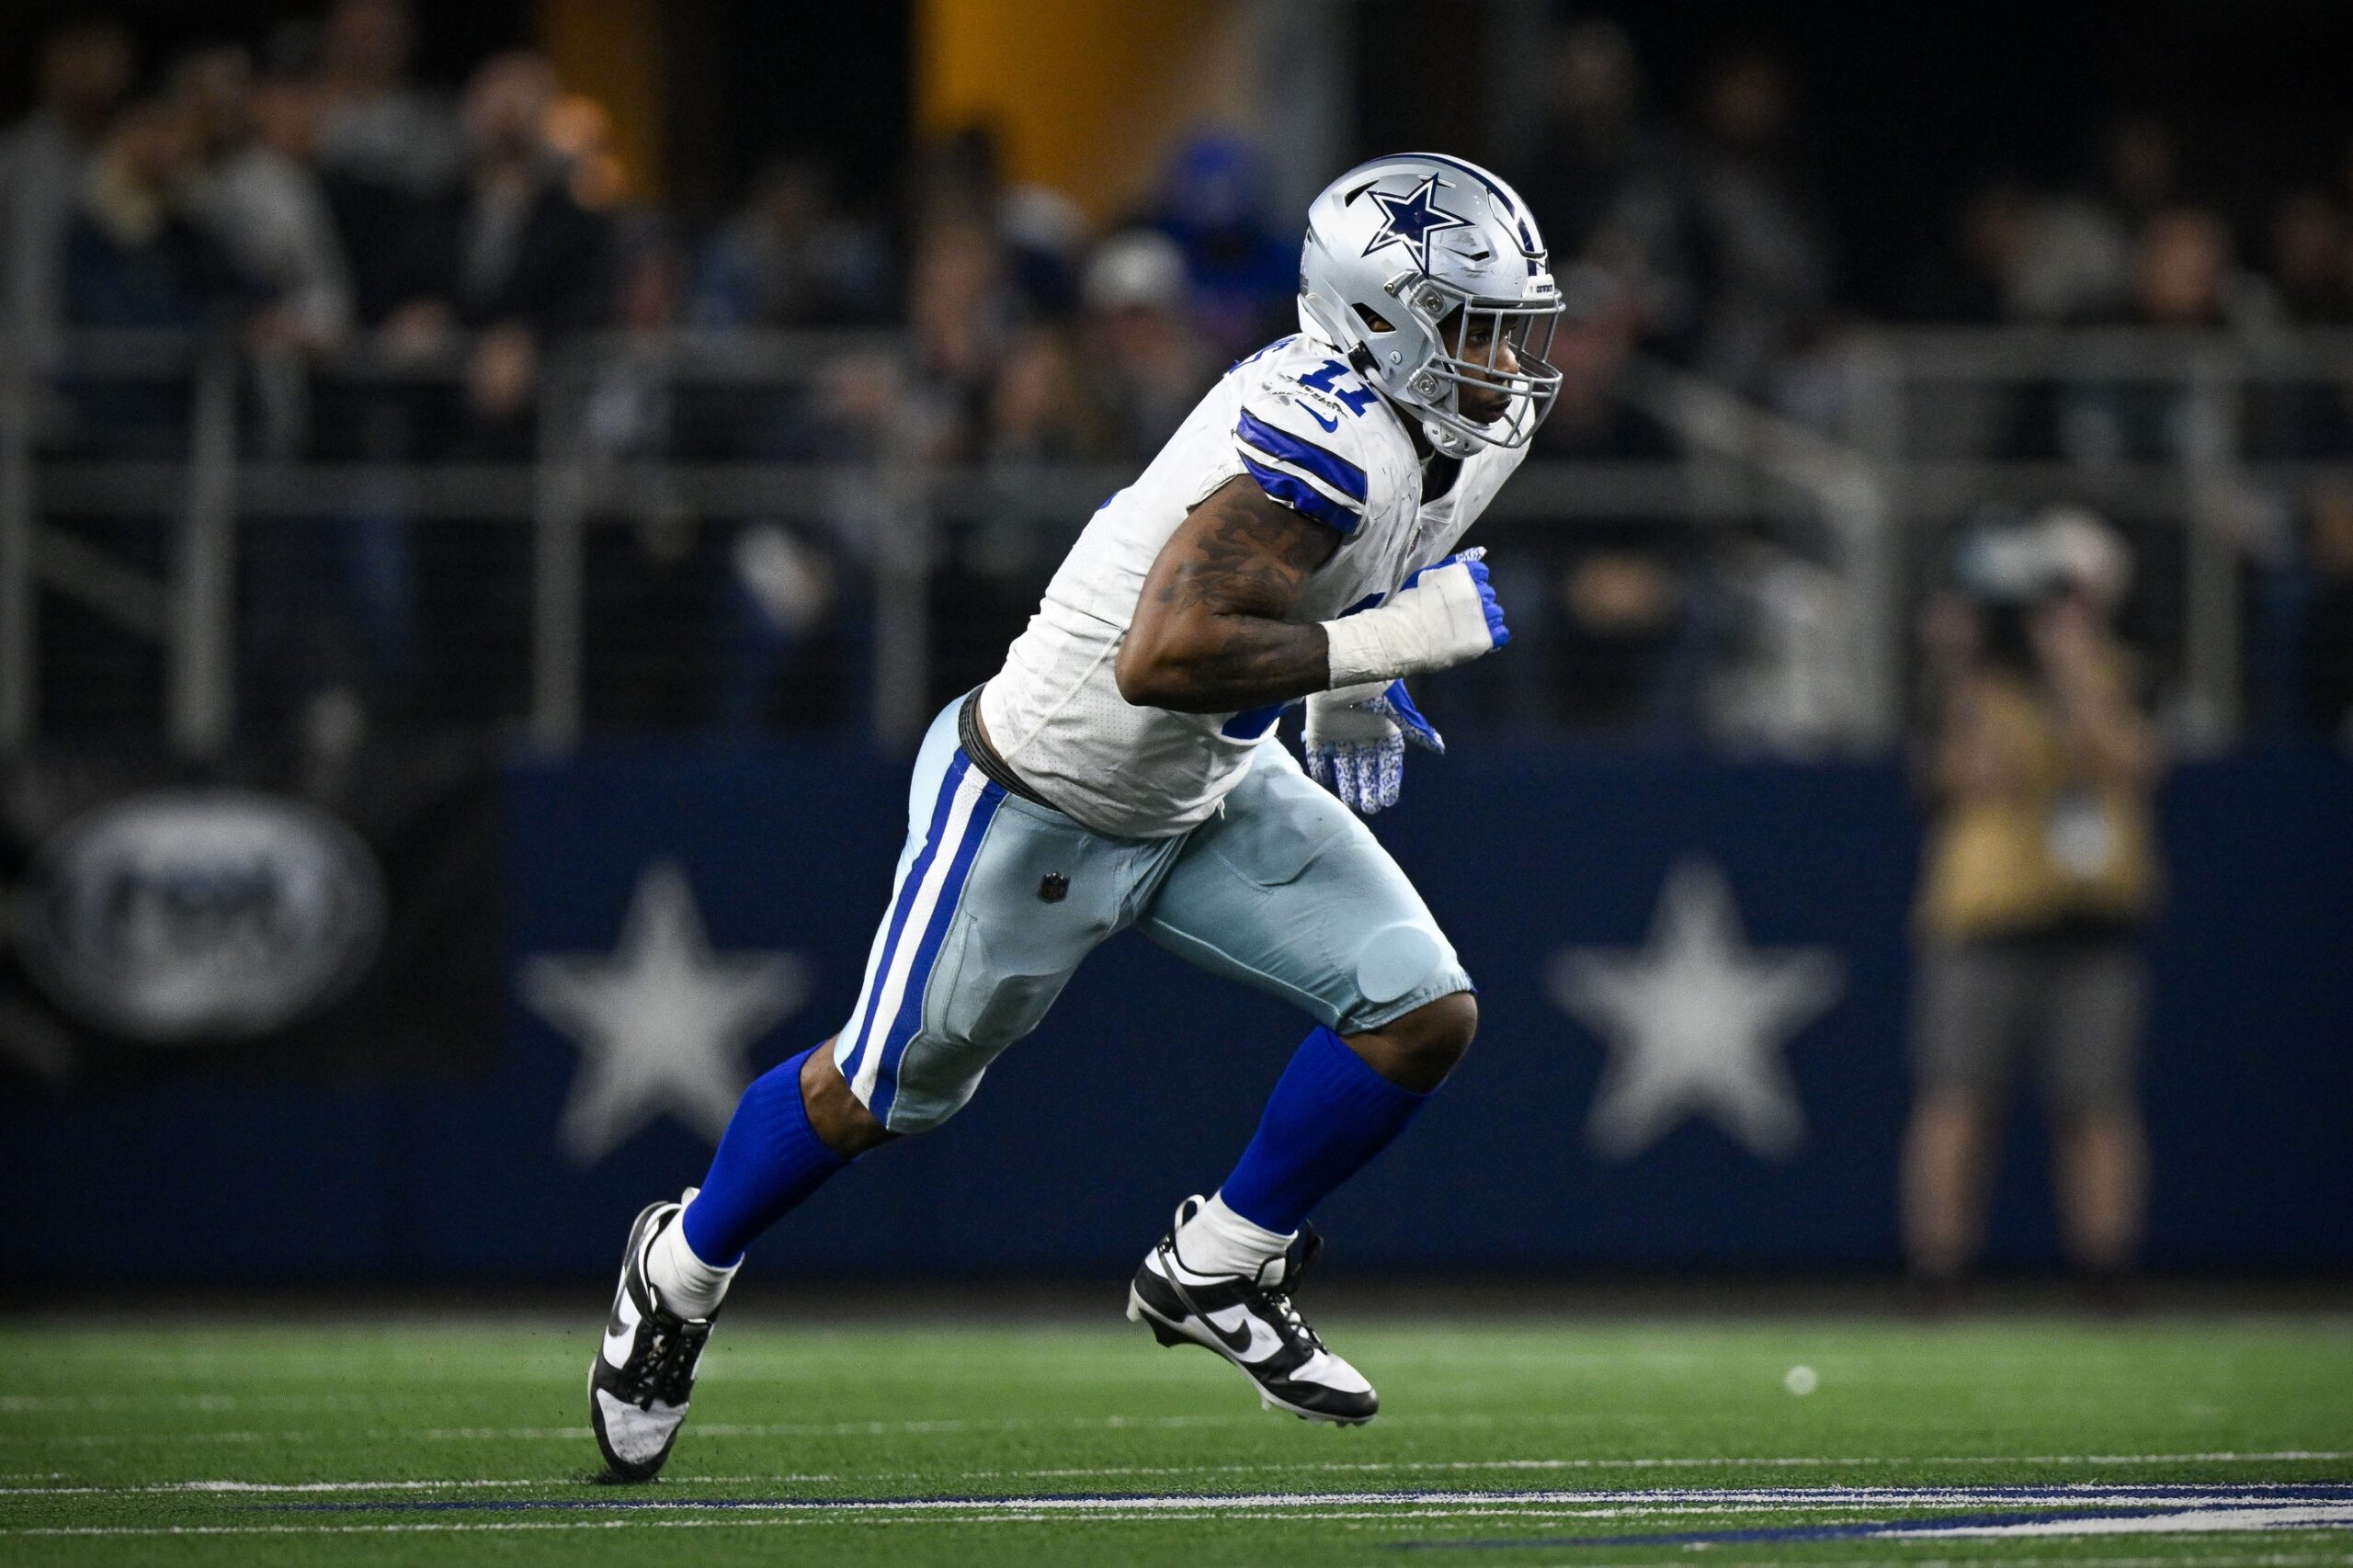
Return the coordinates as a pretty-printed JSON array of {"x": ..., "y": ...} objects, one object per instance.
[{"x": 1295, "y": 542}]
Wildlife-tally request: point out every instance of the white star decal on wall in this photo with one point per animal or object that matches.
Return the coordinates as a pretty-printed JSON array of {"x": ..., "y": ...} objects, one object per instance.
[
  {"x": 663, "y": 1023},
  {"x": 1696, "y": 1020}
]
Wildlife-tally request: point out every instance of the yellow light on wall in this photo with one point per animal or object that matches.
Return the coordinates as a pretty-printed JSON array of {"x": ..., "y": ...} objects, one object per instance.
[
  {"x": 1085, "y": 95},
  {"x": 608, "y": 54}
]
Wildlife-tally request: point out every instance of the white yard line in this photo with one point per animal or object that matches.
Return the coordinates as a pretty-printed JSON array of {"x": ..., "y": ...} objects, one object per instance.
[
  {"x": 727, "y": 1431},
  {"x": 1754, "y": 1462},
  {"x": 759, "y": 1521},
  {"x": 2221, "y": 1501},
  {"x": 2194, "y": 1521},
  {"x": 1772, "y": 1500},
  {"x": 466, "y": 1484}
]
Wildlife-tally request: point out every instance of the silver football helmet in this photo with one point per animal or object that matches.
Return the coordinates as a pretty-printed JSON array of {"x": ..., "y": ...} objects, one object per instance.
[{"x": 1429, "y": 274}]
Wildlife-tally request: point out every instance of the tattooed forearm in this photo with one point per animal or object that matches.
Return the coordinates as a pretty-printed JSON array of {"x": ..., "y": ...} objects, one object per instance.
[{"x": 1209, "y": 633}]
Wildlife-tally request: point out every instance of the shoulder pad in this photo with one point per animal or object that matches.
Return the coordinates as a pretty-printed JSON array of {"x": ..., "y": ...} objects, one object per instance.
[{"x": 1303, "y": 435}]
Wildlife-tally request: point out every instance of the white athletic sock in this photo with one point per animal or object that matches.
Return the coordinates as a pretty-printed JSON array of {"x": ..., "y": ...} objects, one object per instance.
[
  {"x": 683, "y": 1282},
  {"x": 1218, "y": 1240}
]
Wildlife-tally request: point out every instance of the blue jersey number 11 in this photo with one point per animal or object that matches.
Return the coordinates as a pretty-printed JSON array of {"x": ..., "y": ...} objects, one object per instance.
[{"x": 1323, "y": 378}]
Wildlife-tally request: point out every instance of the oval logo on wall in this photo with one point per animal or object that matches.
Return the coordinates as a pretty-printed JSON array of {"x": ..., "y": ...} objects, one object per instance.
[{"x": 187, "y": 916}]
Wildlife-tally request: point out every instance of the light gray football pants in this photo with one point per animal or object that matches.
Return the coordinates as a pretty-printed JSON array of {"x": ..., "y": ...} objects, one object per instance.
[{"x": 998, "y": 899}]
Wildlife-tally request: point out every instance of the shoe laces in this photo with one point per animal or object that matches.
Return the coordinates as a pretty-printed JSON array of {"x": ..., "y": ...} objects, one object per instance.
[
  {"x": 1277, "y": 1295},
  {"x": 663, "y": 1366}
]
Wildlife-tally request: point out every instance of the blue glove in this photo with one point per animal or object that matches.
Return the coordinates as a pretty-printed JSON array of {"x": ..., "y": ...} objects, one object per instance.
[{"x": 1355, "y": 742}]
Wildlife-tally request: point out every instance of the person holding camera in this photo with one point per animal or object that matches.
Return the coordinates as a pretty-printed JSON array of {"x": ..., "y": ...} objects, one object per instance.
[{"x": 2041, "y": 874}]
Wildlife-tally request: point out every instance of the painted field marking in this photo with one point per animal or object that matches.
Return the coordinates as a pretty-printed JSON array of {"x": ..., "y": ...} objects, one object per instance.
[
  {"x": 2266, "y": 1560},
  {"x": 266, "y": 1487},
  {"x": 1078, "y": 1473},
  {"x": 2081, "y": 1511},
  {"x": 2196, "y": 1522},
  {"x": 2079, "y": 1496},
  {"x": 1781, "y": 1462},
  {"x": 725, "y": 1431}
]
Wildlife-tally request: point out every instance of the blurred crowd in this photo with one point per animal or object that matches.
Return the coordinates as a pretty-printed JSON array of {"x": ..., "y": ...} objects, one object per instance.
[
  {"x": 318, "y": 198},
  {"x": 314, "y": 200}
]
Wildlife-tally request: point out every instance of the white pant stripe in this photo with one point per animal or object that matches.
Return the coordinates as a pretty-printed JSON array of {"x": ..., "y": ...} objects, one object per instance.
[{"x": 894, "y": 985}]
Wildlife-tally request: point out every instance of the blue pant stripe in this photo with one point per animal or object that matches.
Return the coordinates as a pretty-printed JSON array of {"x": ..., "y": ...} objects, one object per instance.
[
  {"x": 862, "y": 1021},
  {"x": 952, "y": 892}
]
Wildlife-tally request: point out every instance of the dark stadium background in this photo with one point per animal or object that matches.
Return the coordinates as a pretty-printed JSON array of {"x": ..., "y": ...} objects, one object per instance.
[
  {"x": 1904, "y": 104},
  {"x": 405, "y": 1127}
]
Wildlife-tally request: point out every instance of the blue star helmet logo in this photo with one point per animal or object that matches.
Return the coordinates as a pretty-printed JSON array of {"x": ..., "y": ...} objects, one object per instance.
[{"x": 1411, "y": 220}]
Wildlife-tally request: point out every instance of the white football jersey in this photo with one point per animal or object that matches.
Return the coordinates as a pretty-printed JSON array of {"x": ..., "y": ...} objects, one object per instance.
[{"x": 1295, "y": 418}]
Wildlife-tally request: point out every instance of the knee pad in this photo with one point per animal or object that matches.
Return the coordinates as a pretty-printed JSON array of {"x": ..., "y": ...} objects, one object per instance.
[{"x": 1399, "y": 959}]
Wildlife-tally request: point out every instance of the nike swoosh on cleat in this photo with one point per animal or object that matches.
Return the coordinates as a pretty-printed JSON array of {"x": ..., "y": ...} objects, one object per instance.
[
  {"x": 1238, "y": 1341},
  {"x": 1251, "y": 1335},
  {"x": 622, "y": 1332}
]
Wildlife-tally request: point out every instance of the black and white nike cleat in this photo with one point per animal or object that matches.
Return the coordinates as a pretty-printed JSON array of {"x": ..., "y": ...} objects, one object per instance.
[
  {"x": 1251, "y": 1322},
  {"x": 638, "y": 1384}
]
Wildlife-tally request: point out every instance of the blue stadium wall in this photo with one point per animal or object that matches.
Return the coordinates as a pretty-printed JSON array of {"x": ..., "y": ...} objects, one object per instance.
[{"x": 1147, "y": 1077}]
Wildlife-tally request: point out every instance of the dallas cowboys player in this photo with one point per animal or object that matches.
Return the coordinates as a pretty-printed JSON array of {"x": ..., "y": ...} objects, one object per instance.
[{"x": 1295, "y": 541}]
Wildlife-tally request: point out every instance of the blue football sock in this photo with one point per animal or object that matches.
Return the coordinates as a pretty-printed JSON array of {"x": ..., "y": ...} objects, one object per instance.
[
  {"x": 1330, "y": 1114},
  {"x": 770, "y": 1159}
]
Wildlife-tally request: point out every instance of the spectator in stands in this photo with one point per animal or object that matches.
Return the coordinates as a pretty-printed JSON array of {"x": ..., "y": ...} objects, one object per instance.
[
  {"x": 2311, "y": 261},
  {"x": 578, "y": 132},
  {"x": 2041, "y": 875},
  {"x": 1242, "y": 261},
  {"x": 1610, "y": 187},
  {"x": 44, "y": 165},
  {"x": 1974, "y": 280},
  {"x": 2182, "y": 270},
  {"x": 1038, "y": 231},
  {"x": 1145, "y": 367},
  {"x": 1622, "y": 650},
  {"x": 1769, "y": 273},
  {"x": 1590, "y": 418},
  {"x": 2079, "y": 260},
  {"x": 792, "y": 258},
  {"x": 388, "y": 153},
  {"x": 1036, "y": 414},
  {"x": 515, "y": 259},
  {"x": 379, "y": 126},
  {"x": 261, "y": 206},
  {"x": 2183, "y": 280},
  {"x": 2140, "y": 169},
  {"x": 963, "y": 312},
  {"x": 133, "y": 261},
  {"x": 2309, "y": 284}
]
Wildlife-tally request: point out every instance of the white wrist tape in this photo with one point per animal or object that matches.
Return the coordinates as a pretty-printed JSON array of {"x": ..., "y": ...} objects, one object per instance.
[
  {"x": 1439, "y": 622},
  {"x": 1336, "y": 717}
]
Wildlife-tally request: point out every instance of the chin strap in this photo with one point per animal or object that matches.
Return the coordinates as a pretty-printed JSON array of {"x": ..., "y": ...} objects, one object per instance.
[{"x": 1451, "y": 443}]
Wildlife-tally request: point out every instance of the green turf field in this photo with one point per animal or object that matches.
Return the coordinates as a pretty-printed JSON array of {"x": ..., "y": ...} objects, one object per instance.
[{"x": 1589, "y": 1440}]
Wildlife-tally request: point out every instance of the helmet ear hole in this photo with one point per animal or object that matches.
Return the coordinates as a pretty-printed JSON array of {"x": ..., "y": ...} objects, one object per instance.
[{"x": 1373, "y": 320}]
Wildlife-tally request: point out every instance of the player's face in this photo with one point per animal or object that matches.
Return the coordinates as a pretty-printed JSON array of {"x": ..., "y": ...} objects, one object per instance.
[{"x": 1477, "y": 337}]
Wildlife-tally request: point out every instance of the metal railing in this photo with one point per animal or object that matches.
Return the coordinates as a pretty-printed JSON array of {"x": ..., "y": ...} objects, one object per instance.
[
  {"x": 2220, "y": 484},
  {"x": 1878, "y": 491}
]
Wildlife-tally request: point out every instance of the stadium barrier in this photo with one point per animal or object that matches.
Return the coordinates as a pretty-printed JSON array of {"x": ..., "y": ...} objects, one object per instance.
[
  {"x": 744, "y": 532},
  {"x": 268, "y": 954},
  {"x": 676, "y": 917}
]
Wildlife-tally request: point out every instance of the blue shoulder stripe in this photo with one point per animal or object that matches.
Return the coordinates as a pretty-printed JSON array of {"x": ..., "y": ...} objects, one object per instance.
[
  {"x": 1300, "y": 496},
  {"x": 1328, "y": 466}
]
